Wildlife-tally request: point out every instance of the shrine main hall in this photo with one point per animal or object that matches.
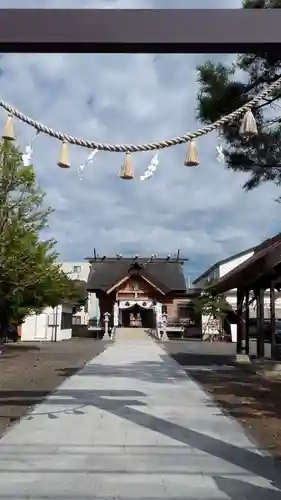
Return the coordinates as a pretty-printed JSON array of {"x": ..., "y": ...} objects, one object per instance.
[{"x": 138, "y": 291}]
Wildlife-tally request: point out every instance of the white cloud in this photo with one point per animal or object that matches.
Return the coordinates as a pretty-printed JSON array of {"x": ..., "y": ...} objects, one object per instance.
[{"x": 131, "y": 98}]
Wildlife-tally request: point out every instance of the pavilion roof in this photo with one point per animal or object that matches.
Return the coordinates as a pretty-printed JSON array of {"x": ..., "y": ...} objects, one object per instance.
[{"x": 266, "y": 258}]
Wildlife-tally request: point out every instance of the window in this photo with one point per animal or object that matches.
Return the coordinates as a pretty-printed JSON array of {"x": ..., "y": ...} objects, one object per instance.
[
  {"x": 184, "y": 311},
  {"x": 164, "y": 309},
  {"x": 76, "y": 320},
  {"x": 77, "y": 269},
  {"x": 66, "y": 321}
]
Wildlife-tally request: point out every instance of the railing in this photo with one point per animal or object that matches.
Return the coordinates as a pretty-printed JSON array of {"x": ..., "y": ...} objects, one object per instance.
[{"x": 158, "y": 333}]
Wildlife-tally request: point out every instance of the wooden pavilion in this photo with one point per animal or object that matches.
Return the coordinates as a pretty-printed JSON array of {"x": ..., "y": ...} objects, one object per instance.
[{"x": 251, "y": 279}]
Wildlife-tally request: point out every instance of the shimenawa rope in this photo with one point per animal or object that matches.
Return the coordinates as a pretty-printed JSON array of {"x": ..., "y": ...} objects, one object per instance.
[{"x": 135, "y": 148}]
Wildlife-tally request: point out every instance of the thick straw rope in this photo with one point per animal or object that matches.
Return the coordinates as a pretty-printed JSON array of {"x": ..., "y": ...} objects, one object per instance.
[{"x": 135, "y": 148}]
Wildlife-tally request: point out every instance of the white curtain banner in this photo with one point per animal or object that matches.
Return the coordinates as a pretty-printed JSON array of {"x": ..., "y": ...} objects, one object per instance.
[{"x": 125, "y": 304}]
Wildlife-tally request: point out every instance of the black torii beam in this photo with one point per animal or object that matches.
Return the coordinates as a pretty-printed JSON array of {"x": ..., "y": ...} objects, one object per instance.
[{"x": 140, "y": 30}]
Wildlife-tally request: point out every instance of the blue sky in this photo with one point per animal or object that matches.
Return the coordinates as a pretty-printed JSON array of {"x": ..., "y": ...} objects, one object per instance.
[{"x": 132, "y": 98}]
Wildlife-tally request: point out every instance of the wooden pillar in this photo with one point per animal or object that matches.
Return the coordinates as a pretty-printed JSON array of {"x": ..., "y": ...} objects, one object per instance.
[
  {"x": 239, "y": 344},
  {"x": 247, "y": 322},
  {"x": 273, "y": 319},
  {"x": 260, "y": 322}
]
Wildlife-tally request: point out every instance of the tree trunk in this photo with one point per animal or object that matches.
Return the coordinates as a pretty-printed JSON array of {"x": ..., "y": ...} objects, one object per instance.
[
  {"x": 4, "y": 324},
  {"x": 3, "y": 335}
]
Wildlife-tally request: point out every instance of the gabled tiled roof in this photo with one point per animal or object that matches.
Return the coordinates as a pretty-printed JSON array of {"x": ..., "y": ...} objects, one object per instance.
[{"x": 167, "y": 275}]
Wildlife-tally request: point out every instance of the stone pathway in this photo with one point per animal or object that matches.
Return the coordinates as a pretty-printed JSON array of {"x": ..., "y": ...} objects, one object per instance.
[
  {"x": 126, "y": 334},
  {"x": 132, "y": 426}
]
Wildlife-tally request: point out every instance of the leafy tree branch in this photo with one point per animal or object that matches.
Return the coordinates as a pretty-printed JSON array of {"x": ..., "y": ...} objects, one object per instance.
[{"x": 223, "y": 88}]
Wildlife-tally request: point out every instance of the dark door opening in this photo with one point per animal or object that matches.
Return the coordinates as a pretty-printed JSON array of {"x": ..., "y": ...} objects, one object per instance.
[{"x": 137, "y": 316}]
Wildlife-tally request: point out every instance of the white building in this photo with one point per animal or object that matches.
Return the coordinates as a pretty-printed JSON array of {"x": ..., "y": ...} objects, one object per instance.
[
  {"x": 78, "y": 271},
  {"x": 56, "y": 324},
  {"x": 52, "y": 324},
  {"x": 223, "y": 267}
]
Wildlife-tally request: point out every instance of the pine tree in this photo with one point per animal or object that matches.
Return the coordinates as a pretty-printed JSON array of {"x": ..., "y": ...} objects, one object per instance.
[{"x": 225, "y": 88}]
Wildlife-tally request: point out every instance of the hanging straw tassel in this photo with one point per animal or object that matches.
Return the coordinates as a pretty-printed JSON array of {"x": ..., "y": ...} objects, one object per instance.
[
  {"x": 248, "y": 127},
  {"x": 64, "y": 156},
  {"x": 9, "y": 129},
  {"x": 127, "y": 169},
  {"x": 192, "y": 158}
]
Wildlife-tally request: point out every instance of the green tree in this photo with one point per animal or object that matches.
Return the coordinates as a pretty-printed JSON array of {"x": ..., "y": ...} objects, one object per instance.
[
  {"x": 21, "y": 198},
  {"x": 30, "y": 277},
  {"x": 224, "y": 88},
  {"x": 78, "y": 295},
  {"x": 210, "y": 305}
]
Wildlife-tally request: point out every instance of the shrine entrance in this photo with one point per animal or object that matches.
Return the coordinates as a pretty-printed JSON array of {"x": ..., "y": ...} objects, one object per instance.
[{"x": 137, "y": 316}]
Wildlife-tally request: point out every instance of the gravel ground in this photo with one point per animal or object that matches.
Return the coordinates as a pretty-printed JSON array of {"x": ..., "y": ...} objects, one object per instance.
[
  {"x": 253, "y": 400},
  {"x": 30, "y": 371}
]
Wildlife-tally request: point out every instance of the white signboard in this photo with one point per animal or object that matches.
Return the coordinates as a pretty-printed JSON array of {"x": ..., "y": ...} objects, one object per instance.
[{"x": 210, "y": 326}]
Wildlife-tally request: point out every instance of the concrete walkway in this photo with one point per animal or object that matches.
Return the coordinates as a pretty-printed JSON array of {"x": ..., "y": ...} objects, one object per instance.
[
  {"x": 131, "y": 425},
  {"x": 129, "y": 334}
]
